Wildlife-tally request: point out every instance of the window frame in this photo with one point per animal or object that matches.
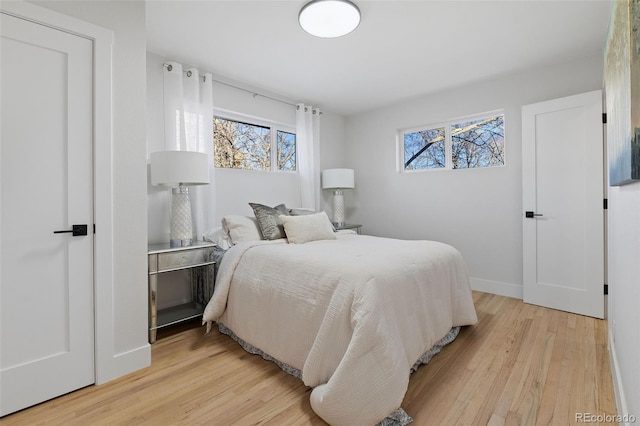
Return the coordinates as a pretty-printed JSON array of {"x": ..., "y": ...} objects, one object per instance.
[
  {"x": 274, "y": 127},
  {"x": 448, "y": 141}
]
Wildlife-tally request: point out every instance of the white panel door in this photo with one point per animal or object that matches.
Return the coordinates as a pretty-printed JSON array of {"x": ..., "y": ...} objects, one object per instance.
[
  {"x": 46, "y": 279},
  {"x": 563, "y": 231}
]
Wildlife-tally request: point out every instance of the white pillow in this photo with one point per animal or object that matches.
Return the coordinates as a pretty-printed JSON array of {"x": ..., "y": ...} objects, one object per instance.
[
  {"x": 311, "y": 227},
  {"x": 241, "y": 228},
  {"x": 219, "y": 237}
]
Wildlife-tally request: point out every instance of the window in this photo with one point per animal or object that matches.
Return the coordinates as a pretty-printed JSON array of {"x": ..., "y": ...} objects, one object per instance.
[
  {"x": 253, "y": 146},
  {"x": 425, "y": 149},
  {"x": 472, "y": 143},
  {"x": 286, "y": 146},
  {"x": 478, "y": 143}
]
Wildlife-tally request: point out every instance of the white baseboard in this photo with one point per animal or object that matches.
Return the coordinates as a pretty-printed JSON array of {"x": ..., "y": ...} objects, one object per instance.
[
  {"x": 621, "y": 401},
  {"x": 127, "y": 362},
  {"x": 496, "y": 287}
]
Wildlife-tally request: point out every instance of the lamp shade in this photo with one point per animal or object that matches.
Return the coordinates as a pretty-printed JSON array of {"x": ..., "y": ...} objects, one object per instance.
[
  {"x": 175, "y": 168},
  {"x": 329, "y": 18},
  {"x": 337, "y": 178}
]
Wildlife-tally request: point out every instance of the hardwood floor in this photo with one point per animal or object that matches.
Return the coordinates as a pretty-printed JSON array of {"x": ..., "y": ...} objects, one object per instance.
[{"x": 520, "y": 364}]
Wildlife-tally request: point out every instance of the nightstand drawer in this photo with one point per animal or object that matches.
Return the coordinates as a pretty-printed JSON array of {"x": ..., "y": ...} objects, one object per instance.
[{"x": 180, "y": 259}]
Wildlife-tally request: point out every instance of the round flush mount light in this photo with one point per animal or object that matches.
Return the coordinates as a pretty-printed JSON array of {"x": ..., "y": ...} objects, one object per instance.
[{"x": 329, "y": 18}]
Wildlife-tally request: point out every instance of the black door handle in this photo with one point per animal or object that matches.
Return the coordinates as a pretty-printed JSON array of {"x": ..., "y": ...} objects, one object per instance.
[
  {"x": 532, "y": 214},
  {"x": 77, "y": 230}
]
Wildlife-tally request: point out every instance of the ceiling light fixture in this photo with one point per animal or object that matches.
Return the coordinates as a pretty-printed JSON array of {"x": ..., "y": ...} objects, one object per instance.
[{"x": 329, "y": 18}]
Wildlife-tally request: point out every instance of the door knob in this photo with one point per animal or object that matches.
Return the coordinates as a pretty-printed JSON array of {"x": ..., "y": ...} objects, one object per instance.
[
  {"x": 532, "y": 214},
  {"x": 76, "y": 231}
]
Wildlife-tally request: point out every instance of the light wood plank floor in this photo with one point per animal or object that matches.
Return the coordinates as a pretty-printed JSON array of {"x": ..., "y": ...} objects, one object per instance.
[{"x": 520, "y": 364}]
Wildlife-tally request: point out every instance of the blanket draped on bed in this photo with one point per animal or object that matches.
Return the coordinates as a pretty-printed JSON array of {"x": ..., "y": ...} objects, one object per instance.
[{"x": 352, "y": 314}]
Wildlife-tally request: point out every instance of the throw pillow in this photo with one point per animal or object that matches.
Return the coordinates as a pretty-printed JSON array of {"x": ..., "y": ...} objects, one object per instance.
[
  {"x": 241, "y": 228},
  {"x": 269, "y": 220},
  {"x": 312, "y": 227}
]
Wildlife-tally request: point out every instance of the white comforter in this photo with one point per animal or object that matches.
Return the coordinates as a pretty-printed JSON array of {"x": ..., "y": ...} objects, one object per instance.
[{"x": 353, "y": 314}]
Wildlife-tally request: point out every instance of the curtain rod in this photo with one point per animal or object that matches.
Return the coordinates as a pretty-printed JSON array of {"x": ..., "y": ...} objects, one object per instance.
[
  {"x": 255, "y": 94},
  {"x": 169, "y": 67}
]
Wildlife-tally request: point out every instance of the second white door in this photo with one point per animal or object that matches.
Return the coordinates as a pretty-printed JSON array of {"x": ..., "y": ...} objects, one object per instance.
[{"x": 563, "y": 218}]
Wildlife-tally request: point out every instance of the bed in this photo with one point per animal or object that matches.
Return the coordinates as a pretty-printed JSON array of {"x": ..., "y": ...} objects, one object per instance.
[{"x": 351, "y": 315}]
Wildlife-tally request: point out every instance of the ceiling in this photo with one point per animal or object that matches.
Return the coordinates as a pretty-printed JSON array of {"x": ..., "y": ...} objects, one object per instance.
[{"x": 400, "y": 50}]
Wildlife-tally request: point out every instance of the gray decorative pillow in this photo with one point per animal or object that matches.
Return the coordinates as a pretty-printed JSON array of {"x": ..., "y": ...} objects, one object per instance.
[
  {"x": 269, "y": 220},
  {"x": 301, "y": 212}
]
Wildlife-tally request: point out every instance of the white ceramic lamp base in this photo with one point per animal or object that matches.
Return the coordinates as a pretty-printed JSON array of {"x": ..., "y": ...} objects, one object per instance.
[
  {"x": 338, "y": 207},
  {"x": 181, "y": 230}
]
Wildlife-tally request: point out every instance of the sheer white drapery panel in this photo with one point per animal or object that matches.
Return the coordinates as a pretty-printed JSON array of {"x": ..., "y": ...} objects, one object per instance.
[
  {"x": 308, "y": 149},
  {"x": 188, "y": 124}
]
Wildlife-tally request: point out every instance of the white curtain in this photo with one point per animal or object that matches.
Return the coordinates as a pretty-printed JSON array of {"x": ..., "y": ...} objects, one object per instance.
[
  {"x": 308, "y": 150},
  {"x": 188, "y": 124}
]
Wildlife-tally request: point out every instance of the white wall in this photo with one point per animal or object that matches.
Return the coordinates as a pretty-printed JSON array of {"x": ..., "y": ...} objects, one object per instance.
[
  {"x": 234, "y": 189},
  {"x": 624, "y": 294},
  {"x": 477, "y": 211},
  {"x": 131, "y": 350}
]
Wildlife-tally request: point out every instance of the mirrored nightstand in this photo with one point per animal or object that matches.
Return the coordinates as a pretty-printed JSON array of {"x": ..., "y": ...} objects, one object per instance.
[
  {"x": 163, "y": 258},
  {"x": 353, "y": 226}
]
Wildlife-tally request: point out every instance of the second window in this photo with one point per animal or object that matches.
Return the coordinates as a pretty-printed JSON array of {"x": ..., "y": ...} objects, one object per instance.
[{"x": 461, "y": 144}]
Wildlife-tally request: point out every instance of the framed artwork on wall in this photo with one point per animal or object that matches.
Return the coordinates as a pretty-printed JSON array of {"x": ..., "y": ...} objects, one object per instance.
[{"x": 622, "y": 85}]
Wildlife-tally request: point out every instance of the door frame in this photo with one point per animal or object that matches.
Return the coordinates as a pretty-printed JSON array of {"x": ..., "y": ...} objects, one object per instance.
[{"x": 103, "y": 188}]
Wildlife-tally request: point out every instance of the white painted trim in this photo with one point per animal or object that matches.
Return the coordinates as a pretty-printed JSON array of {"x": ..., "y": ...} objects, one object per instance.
[
  {"x": 103, "y": 209},
  {"x": 123, "y": 362},
  {"x": 56, "y": 20},
  {"x": 496, "y": 287},
  {"x": 108, "y": 366},
  {"x": 621, "y": 401}
]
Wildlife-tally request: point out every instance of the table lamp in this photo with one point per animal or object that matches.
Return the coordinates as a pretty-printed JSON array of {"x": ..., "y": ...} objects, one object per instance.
[
  {"x": 338, "y": 179},
  {"x": 179, "y": 170}
]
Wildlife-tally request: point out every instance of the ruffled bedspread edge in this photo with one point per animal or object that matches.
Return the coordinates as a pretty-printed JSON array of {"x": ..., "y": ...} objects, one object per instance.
[{"x": 399, "y": 417}]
